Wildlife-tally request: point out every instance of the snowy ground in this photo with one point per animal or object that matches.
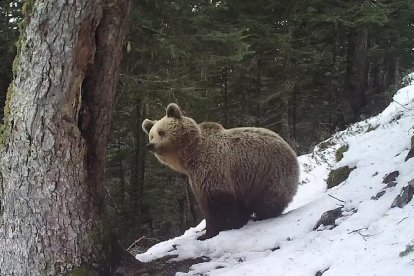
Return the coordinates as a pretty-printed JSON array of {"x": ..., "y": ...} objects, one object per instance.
[{"x": 367, "y": 240}]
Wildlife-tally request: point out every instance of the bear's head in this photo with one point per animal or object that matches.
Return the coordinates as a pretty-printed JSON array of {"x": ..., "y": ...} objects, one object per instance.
[{"x": 173, "y": 137}]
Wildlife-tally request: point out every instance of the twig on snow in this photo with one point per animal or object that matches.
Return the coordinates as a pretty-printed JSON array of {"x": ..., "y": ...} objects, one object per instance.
[
  {"x": 336, "y": 198},
  {"x": 402, "y": 105},
  {"x": 357, "y": 230},
  {"x": 402, "y": 220}
]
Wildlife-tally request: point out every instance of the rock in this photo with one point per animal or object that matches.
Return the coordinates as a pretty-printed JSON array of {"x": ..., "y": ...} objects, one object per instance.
[
  {"x": 340, "y": 152},
  {"x": 338, "y": 176},
  {"x": 380, "y": 194},
  {"x": 411, "y": 152},
  {"x": 329, "y": 217},
  {"x": 275, "y": 248},
  {"x": 405, "y": 196},
  {"x": 391, "y": 177},
  {"x": 391, "y": 184},
  {"x": 321, "y": 272}
]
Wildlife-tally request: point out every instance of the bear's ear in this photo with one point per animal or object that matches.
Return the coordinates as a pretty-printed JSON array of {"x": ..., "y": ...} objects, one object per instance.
[
  {"x": 174, "y": 111},
  {"x": 147, "y": 125}
]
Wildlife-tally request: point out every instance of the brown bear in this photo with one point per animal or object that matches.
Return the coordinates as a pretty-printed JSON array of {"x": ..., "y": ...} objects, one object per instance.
[{"x": 235, "y": 174}]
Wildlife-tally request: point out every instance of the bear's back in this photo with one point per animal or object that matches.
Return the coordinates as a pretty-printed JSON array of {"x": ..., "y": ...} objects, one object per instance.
[
  {"x": 245, "y": 147},
  {"x": 242, "y": 140},
  {"x": 209, "y": 128}
]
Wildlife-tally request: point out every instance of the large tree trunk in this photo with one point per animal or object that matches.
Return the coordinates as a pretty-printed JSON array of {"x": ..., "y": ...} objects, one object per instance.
[{"x": 52, "y": 201}]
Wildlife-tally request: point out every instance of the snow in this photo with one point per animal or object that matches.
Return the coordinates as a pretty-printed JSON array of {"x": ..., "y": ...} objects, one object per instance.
[{"x": 367, "y": 239}]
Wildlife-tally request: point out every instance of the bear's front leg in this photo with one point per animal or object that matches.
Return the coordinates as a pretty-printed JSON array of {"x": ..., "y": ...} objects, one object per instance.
[
  {"x": 211, "y": 230},
  {"x": 222, "y": 212}
]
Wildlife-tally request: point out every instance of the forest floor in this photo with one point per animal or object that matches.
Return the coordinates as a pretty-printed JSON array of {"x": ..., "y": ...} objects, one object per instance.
[{"x": 363, "y": 225}]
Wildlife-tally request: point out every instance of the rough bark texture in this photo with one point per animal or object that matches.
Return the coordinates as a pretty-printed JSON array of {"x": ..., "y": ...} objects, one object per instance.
[{"x": 52, "y": 217}]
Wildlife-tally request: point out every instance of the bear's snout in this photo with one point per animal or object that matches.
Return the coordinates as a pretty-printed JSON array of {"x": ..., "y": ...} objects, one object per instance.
[{"x": 150, "y": 146}]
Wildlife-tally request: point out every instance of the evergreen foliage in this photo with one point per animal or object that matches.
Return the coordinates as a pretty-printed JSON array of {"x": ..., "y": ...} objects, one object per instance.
[
  {"x": 10, "y": 16},
  {"x": 301, "y": 68}
]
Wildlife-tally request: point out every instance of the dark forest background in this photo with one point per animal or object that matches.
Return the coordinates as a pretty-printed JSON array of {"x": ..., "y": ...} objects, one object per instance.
[{"x": 304, "y": 69}]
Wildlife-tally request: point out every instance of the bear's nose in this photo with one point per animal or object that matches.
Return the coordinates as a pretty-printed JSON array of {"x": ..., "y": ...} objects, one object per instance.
[{"x": 150, "y": 146}]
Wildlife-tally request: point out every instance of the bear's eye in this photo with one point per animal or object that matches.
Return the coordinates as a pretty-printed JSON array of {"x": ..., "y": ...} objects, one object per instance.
[{"x": 161, "y": 132}]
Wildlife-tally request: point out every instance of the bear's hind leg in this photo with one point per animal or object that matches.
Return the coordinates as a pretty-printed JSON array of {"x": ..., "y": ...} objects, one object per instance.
[
  {"x": 268, "y": 208},
  {"x": 222, "y": 212}
]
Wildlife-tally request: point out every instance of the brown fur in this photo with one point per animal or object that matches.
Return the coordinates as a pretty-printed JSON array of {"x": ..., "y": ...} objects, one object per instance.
[
  {"x": 210, "y": 127},
  {"x": 233, "y": 172}
]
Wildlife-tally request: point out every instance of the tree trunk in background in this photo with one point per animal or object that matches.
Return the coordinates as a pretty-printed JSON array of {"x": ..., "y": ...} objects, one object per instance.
[
  {"x": 258, "y": 90},
  {"x": 294, "y": 107},
  {"x": 383, "y": 73},
  {"x": 52, "y": 206},
  {"x": 121, "y": 176},
  {"x": 191, "y": 202},
  {"x": 356, "y": 75},
  {"x": 181, "y": 214},
  {"x": 225, "y": 105},
  {"x": 390, "y": 71},
  {"x": 284, "y": 120},
  {"x": 138, "y": 170}
]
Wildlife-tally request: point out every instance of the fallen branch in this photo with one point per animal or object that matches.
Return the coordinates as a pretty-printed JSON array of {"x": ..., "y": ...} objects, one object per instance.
[
  {"x": 336, "y": 198},
  {"x": 135, "y": 243},
  {"x": 357, "y": 230},
  {"x": 402, "y": 105},
  {"x": 402, "y": 220}
]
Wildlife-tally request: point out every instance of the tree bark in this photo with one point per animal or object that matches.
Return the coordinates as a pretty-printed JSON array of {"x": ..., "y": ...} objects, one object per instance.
[{"x": 53, "y": 217}]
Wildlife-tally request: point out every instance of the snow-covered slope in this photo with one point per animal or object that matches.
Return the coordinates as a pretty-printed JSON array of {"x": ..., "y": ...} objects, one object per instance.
[{"x": 370, "y": 237}]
